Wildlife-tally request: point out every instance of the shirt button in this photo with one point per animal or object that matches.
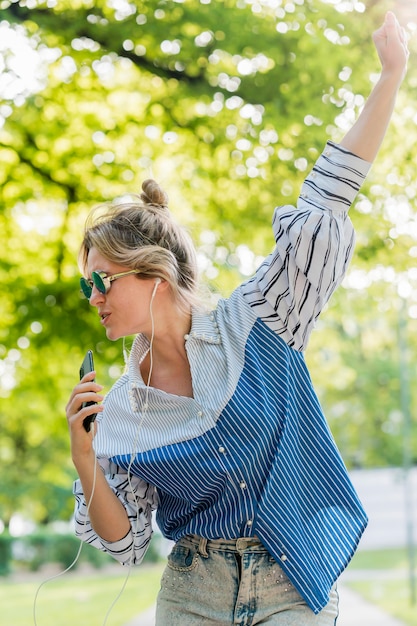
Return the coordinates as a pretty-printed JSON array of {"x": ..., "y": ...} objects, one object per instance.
[
  {"x": 222, "y": 450},
  {"x": 242, "y": 484},
  {"x": 283, "y": 557},
  {"x": 249, "y": 523},
  {"x": 200, "y": 413},
  {"x": 187, "y": 336}
]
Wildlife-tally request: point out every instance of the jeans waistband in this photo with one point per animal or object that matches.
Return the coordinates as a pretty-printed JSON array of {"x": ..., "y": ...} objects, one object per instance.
[{"x": 240, "y": 544}]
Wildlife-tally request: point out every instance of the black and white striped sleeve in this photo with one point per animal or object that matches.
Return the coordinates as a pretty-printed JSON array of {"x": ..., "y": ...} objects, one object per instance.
[
  {"x": 139, "y": 499},
  {"x": 314, "y": 244}
]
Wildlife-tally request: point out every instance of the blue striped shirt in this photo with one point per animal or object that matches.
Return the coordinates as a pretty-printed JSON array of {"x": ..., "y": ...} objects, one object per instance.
[{"x": 251, "y": 452}]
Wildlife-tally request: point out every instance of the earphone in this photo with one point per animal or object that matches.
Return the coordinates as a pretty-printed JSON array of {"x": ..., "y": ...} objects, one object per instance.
[{"x": 157, "y": 282}]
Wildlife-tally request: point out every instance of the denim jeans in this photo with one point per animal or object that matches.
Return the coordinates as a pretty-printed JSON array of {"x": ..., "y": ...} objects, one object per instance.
[{"x": 232, "y": 582}]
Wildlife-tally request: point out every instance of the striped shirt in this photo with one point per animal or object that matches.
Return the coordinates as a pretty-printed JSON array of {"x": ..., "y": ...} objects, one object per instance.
[{"x": 251, "y": 452}]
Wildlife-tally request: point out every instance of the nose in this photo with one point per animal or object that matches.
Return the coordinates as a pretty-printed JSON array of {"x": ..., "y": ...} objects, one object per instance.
[{"x": 96, "y": 297}]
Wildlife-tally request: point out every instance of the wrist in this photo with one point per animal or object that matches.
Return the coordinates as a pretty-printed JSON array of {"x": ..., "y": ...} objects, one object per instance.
[
  {"x": 84, "y": 461},
  {"x": 392, "y": 77}
]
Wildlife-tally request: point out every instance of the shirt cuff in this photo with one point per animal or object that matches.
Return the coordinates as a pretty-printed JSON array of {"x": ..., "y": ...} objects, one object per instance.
[
  {"x": 348, "y": 158},
  {"x": 119, "y": 547}
]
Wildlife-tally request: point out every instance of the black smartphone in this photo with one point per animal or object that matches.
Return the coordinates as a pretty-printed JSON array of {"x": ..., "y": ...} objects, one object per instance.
[{"x": 88, "y": 366}]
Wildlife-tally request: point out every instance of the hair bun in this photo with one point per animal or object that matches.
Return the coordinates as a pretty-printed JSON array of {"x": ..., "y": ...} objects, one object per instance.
[{"x": 153, "y": 194}]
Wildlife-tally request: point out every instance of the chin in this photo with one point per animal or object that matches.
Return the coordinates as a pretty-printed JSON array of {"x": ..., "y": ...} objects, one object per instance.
[{"x": 112, "y": 336}]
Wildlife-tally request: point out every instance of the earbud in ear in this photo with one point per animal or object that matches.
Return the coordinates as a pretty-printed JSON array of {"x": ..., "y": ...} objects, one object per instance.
[{"x": 157, "y": 282}]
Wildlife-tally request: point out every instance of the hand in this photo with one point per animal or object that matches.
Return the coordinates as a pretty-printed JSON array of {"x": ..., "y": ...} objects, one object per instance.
[
  {"x": 391, "y": 44},
  {"x": 86, "y": 391}
]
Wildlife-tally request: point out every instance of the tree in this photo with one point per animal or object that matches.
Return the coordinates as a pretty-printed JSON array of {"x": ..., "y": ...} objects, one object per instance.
[{"x": 227, "y": 104}]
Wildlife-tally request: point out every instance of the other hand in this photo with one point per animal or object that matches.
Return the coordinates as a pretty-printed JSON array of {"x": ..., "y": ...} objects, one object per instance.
[{"x": 391, "y": 44}]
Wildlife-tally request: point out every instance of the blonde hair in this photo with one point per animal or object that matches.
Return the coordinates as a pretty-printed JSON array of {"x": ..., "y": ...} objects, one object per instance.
[{"x": 141, "y": 234}]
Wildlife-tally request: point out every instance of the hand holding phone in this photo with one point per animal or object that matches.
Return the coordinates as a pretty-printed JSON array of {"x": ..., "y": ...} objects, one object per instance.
[{"x": 88, "y": 366}]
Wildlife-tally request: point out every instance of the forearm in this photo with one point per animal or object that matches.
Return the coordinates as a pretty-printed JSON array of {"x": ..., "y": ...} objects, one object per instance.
[
  {"x": 107, "y": 514},
  {"x": 366, "y": 135}
]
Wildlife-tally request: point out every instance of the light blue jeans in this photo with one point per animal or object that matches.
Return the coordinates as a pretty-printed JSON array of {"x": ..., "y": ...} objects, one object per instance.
[{"x": 236, "y": 582}]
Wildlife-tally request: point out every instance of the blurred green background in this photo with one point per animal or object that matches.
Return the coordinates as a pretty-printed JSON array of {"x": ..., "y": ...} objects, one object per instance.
[{"x": 227, "y": 104}]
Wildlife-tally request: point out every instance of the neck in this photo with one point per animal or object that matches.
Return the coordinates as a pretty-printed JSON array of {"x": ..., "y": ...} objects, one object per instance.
[
  {"x": 169, "y": 331},
  {"x": 169, "y": 368}
]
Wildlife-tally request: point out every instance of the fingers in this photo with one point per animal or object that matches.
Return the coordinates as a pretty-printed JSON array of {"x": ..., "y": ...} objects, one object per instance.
[
  {"x": 86, "y": 391},
  {"x": 393, "y": 28},
  {"x": 88, "y": 376},
  {"x": 390, "y": 28},
  {"x": 391, "y": 44}
]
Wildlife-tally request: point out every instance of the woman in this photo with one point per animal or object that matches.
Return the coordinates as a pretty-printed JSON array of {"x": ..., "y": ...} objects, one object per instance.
[{"x": 215, "y": 422}]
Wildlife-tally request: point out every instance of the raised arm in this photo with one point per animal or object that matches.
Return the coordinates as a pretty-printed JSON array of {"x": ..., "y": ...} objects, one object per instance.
[{"x": 365, "y": 137}]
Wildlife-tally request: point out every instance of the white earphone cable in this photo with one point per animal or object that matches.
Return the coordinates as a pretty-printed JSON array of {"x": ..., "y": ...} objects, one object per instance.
[
  {"x": 47, "y": 580},
  {"x": 144, "y": 409}
]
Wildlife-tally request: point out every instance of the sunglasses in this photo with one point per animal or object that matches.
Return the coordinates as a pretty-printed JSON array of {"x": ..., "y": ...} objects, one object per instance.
[{"x": 101, "y": 281}]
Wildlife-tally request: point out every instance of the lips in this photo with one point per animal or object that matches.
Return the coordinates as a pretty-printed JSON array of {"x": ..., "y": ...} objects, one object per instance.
[{"x": 104, "y": 317}]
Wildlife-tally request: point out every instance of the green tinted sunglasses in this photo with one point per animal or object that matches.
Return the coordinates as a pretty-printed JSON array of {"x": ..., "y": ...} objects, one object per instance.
[{"x": 101, "y": 281}]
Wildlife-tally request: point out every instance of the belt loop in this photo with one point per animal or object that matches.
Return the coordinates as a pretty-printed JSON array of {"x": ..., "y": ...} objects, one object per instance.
[{"x": 202, "y": 548}]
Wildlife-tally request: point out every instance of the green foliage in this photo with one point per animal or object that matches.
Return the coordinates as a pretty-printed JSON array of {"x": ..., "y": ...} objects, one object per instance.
[
  {"x": 5, "y": 554},
  {"x": 227, "y": 104},
  {"x": 356, "y": 364}
]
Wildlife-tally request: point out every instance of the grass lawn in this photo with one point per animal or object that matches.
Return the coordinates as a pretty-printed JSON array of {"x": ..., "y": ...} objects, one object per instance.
[
  {"x": 392, "y": 559},
  {"x": 380, "y": 576},
  {"x": 383, "y": 578},
  {"x": 393, "y": 596},
  {"x": 80, "y": 598}
]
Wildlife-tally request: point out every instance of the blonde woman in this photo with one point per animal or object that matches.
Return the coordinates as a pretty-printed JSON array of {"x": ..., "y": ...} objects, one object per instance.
[{"x": 215, "y": 423}]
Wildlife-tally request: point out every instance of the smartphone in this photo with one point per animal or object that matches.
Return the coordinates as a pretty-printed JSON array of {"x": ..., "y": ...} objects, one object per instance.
[{"x": 88, "y": 366}]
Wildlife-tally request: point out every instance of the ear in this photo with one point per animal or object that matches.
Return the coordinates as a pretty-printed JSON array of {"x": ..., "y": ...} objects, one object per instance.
[
  {"x": 159, "y": 285},
  {"x": 155, "y": 287}
]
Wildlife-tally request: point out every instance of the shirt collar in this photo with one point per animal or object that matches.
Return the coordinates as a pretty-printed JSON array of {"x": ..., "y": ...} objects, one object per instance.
[
  {"x": 203, "y": 328},
  {"x": 139, "y": 350}
]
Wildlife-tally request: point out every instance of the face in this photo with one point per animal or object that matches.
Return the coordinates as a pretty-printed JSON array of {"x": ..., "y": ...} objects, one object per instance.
[{"x": 124, "y": 309}]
